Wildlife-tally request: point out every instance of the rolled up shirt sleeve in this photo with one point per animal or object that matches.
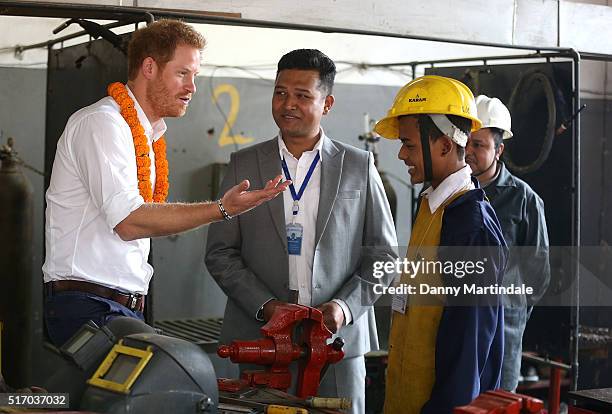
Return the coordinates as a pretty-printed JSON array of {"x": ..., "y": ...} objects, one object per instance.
[{"x": 103, "y": 152}]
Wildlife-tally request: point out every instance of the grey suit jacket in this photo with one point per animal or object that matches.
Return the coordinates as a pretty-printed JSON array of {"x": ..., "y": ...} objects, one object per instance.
[{"x": 247, "y": 256}]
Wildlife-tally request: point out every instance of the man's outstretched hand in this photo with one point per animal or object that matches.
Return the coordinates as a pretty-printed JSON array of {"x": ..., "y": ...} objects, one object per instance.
[{"x": 238, "y": 200}]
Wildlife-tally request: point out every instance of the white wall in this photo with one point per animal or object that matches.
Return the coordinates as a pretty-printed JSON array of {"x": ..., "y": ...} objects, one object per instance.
[
  {"x": 257, "y": 50},
  {"x": 522, "y": 22},
  {"x": 253, "y": 52},
  {"x": 582, "y": 25}
]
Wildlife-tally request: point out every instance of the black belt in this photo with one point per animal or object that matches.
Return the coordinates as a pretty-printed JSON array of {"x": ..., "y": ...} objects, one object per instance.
[{"x": 132, "y": 301}]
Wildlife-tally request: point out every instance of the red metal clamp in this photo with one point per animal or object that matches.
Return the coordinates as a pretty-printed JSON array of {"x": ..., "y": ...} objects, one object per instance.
[{"x": 276, "y": 350}]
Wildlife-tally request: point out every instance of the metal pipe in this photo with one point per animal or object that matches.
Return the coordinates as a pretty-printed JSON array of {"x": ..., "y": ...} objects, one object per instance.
[
  {"x": 558, "y": 22},
  {"x": 119, "y": 12},
  {"x": 554, "y": 391},
  {"x": 575, "y": 310},
  {"x": 21, "y": 49},
  {"x": 122, "y": 13},
  {"x": 568, "y": 54},
  {"x": 602, "y": 57},
  {"x": 545, "y": 361},
  {"x": 149, "y": 18}
]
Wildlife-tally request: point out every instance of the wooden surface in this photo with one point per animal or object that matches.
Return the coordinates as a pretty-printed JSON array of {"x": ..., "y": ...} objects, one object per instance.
[
  {"x": 597, "y": 398},
  {"x": 279, "y": 398}
]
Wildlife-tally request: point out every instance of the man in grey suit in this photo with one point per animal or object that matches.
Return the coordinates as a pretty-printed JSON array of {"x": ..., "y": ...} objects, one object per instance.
[{"x": 317, "y": 244}]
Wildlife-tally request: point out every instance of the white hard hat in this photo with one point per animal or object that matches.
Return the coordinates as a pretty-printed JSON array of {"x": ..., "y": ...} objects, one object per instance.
[{"x": 494, "y": 114}]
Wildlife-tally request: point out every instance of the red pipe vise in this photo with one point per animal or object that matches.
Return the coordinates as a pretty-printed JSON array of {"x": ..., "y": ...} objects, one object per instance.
[
  {"x": 502, "y": 402},
  {"x": 276, "y": 350}
]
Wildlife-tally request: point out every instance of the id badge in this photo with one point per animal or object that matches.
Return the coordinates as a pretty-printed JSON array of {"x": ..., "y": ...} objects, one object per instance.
[
  {"x": 398, "y": 302},
  {"x": 295, "y": 232}
]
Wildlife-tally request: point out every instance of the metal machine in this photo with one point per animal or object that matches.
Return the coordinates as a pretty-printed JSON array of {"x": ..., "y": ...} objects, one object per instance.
[
  {"x": 147, "y": 373},
  {"x": 126, "y": 366},
  {"x": 83, "y": 353}
]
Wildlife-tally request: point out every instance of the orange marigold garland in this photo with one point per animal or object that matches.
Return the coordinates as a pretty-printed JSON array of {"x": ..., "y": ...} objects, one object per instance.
[{"x": 119, "y": 93}]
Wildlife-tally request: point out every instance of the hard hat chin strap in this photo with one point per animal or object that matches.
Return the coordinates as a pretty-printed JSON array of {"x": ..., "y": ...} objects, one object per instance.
[
  {"x": 427, "y": 168},
  {"x": 447, "y": 128},
  {"x": 494, "y": 162}
]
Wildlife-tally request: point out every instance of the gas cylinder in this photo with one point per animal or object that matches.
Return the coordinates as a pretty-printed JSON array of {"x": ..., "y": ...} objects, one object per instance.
[{"x": 16, "y": 217}]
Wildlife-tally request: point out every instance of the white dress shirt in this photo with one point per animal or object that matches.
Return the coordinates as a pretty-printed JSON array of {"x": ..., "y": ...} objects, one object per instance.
[
  {"x": 94, "y": 186},
  {"x": 450, "y": 186},
  {"x": 300, "y": 266}
]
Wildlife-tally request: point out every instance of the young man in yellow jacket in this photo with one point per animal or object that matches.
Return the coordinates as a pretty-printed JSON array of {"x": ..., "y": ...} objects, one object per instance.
[{"x": 444, "y": 349}]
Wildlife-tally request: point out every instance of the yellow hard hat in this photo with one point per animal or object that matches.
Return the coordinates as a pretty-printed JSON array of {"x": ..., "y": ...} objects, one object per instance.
[{"x": 429, "y": 94}]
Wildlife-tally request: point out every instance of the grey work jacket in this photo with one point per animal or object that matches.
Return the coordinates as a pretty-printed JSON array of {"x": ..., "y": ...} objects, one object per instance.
[{"x": 521, "y": 214}]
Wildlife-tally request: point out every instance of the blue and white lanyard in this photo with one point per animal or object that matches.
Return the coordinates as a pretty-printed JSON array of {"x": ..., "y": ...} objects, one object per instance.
[{"x": 297, "y": 196}]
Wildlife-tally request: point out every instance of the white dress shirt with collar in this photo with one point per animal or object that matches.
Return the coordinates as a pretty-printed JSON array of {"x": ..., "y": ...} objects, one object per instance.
[
  {"x": 451, "y": 185},
  {"x": 93, "y": 188},
  {"x": 300, "y": 266}
]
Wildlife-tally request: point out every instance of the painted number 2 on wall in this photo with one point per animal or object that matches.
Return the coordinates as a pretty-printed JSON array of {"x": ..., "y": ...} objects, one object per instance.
[{"x": 227, "y": 137}]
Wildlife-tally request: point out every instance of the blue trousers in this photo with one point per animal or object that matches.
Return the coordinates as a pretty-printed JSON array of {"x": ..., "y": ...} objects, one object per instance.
[{"x": 66, "y": 312}]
